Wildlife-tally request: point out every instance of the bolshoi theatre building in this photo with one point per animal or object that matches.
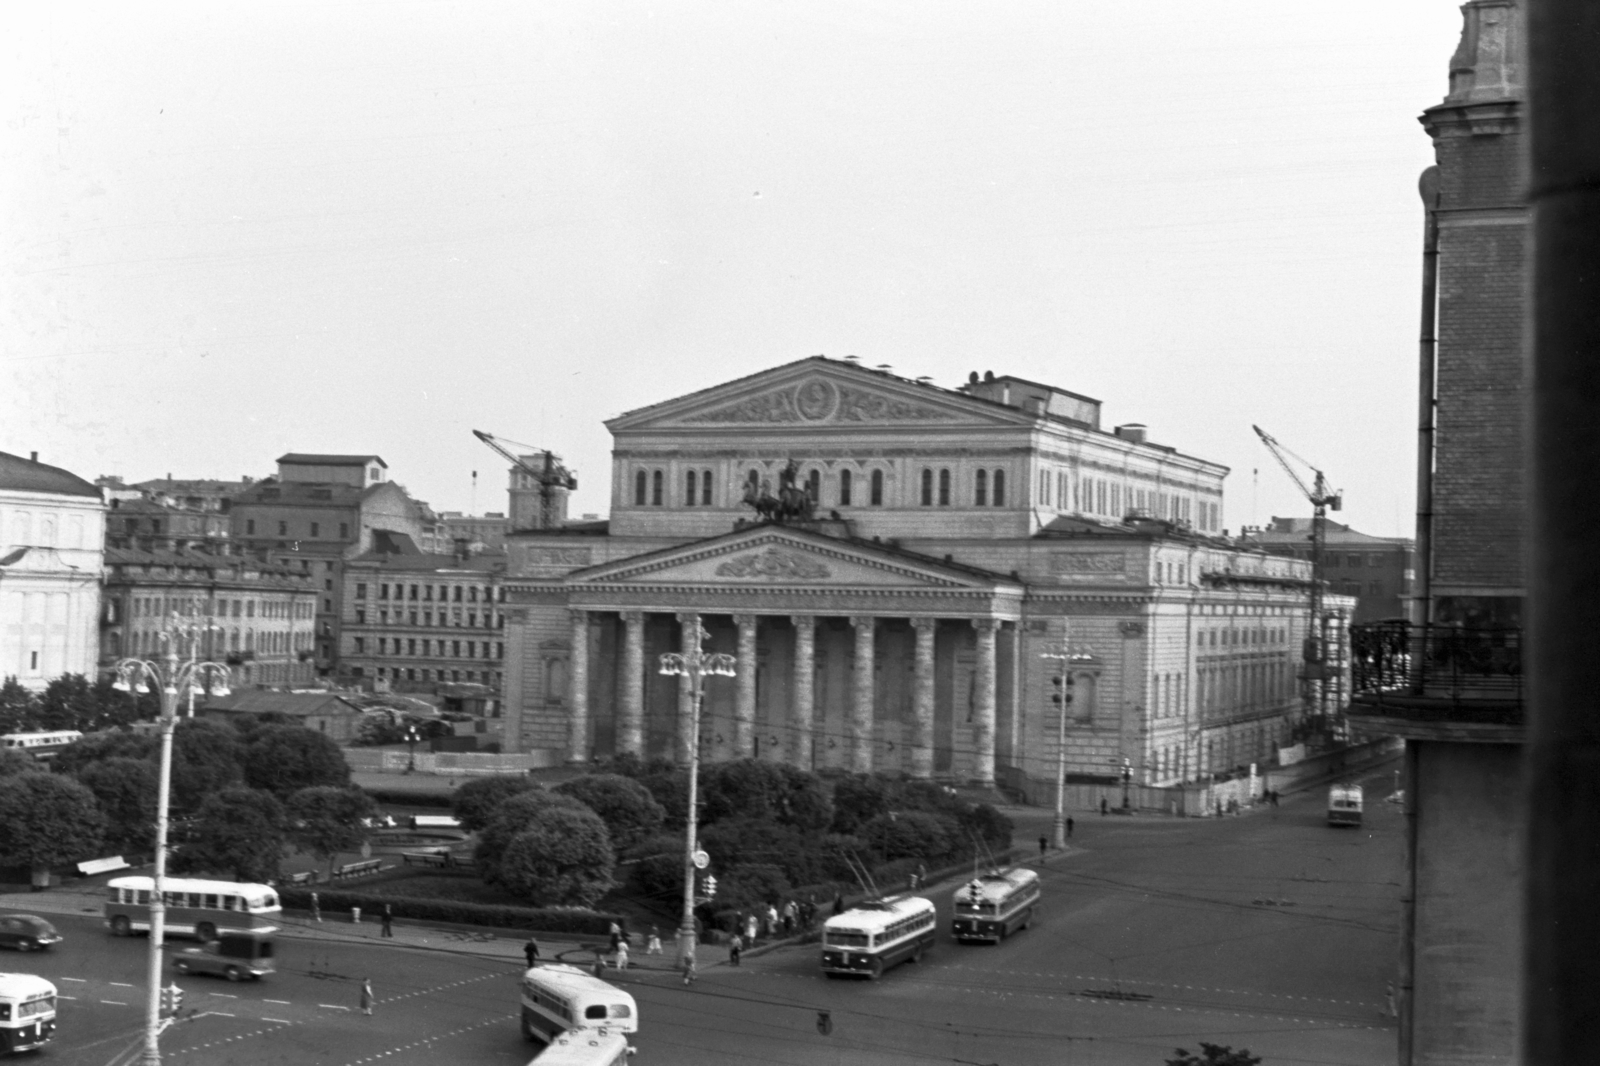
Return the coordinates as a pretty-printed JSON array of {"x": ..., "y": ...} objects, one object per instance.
[{"x": 907, "y": 576}]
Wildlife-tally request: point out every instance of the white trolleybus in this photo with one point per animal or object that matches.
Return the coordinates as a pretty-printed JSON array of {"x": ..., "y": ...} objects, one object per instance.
[
  {"x": 559, "y": 998},
  {"x": 1344, "y": 805},
  {"x": 195, "y": 907},
  {"x": 42, "y": 746},
  {"x": 27, "y": 1012},
  {"x": 876, "y": 934},
  {"x": 585, "y": 1047},
  {"x": 994, "y": 905}
]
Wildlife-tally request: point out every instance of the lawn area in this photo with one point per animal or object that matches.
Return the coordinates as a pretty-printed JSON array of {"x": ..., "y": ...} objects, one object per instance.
[{"x": 465, "y": 888}]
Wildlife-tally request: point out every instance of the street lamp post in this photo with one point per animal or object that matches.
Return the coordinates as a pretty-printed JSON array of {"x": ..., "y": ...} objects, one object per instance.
[
  {"x": 411, "y": 744},
  {"x": 1063, "y": 699},
  {"x": 179, "y": 670},
  {"x": 695, "y": 663}
]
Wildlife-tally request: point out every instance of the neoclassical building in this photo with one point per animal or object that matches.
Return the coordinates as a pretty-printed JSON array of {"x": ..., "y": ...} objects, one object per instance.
[{"x": 957, "y": 540}]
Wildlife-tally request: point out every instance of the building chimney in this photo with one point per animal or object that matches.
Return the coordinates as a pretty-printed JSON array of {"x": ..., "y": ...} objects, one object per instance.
[
  {"x": 33, "y": 457},
  {"x": 1133, "y": 432}
]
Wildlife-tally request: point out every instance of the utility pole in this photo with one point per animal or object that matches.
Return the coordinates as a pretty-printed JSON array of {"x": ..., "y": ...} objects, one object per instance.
[{"x": 1062, "y": 698}]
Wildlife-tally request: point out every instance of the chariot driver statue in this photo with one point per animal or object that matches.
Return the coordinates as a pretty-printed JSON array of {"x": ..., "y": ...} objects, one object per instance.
[{"x": 791, "y": 502}]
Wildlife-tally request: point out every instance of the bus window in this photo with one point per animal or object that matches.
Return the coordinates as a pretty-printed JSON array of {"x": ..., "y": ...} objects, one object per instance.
[
  {"x": 596, "y": 1011},
  {"x": 5, "y": 1012},
  {"x": 211, "y": 901},
  {"x": 230, "y": 903},
  {"x": 621, "y": 1010},
  {"x": 144, "y": 897}
]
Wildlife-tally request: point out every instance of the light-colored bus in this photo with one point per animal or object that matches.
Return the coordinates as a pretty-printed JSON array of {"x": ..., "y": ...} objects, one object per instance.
[
  {"x": 560, "y": 998},
  {"x": 585, "y": 1047},
  {"x": 27, "y": 1012},
  {"x": 195, "y": 907},
  {"x": 1344, "y": 805},
  {"x": 42, "y": 746},
  {"x": 875, "y": 935},
  {"x": 994, "y": 905}
]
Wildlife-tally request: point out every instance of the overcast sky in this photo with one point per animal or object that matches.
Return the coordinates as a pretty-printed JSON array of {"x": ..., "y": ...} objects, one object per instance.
[{"x": 236, "y": 230}]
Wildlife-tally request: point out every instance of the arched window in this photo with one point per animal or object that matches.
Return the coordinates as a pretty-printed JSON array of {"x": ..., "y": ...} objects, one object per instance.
[
  {"x": 944, "y": 488},
  {"x": 690, "y": 483},
  {"x": 655, "y": 489},
  {"x": 814, "y": 485},
  {"x": 877, "y": 488},
  {"x": 999, "y": 488},
  {"x": 638, "y": 489},
  {"x": 927, "y": 488},
  {"x": 980, "y": 489},
  {"x": 705, "y": 488},
  {"x": 844, "y": 488}
]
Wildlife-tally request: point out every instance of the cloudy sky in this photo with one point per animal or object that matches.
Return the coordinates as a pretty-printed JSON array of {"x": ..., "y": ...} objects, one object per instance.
[{"x": 234, "y": 230}]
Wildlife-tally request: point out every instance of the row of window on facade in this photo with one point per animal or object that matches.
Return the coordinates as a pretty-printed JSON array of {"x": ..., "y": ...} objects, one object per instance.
[
  {"x": 1059, "y": 491},
  {"x": 463, "y": 593},
  {"x": 148, "y": 606},
  {"x": 988, "y": 489},
  {"x": 1349, "y": 561},
  {"x": 283, "y": 529},
  {"x": 1254, "y": 744},
  {"x": 391, "y": 646},
  {"x": 399, "y": 617},
  {"x": 50, "y": 525},
  {"x": 415, "y": 673},
  {"x": 149, "y": 642}
]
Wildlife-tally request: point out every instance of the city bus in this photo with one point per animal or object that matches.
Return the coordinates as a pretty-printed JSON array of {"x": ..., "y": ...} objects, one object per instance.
[
  {"x": 1344, "y": 805},
  {"x": 27, "y": 1012},
  {"x": 560, "y": 998},
  {"x": 995, "y": 905},
  {"x": 586, "y": 1047},
  {"x": 42, "y": 746},
  {"x": 875, "y": 935},
  {"x": 195, "y": 907}
]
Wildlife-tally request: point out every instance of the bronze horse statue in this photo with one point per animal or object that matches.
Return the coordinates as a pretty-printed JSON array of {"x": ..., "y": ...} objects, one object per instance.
[{"x": 791, "y": 502}]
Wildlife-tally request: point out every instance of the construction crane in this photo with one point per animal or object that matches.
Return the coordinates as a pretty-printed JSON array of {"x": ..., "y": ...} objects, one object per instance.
[
  {"x": 549, "y": 475},
  {"x": 1314, "y": 671}
]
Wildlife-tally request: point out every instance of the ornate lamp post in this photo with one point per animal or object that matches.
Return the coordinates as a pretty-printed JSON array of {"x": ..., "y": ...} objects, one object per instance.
[
  {"x": 411, "y": 745},
  {"x": 1063, "y": 698},
  {"x": 179, "y": 671},
  {"x": 695, "y": 663}
]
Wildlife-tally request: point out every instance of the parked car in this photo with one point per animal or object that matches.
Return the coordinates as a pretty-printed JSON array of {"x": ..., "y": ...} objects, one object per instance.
[
  {"x": 232, "y": 955},
  {"x": 25, "y": 932}
]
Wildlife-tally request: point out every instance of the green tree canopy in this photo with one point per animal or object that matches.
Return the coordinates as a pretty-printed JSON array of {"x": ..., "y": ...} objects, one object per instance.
[
  {"x": 47, "y": 820},
  {"x": 18, "y": 706},
  {"x": 476, "y": 800},
  {"x": 327, "y": 820},
  {"x": 755, "y": 789},
  {"x": 126, "y": 791},
  {"x": 630, "y": 812},
  {"x": 73, "y": 758},
  {"x": 912, "y": 835},
  {"x": 206, "y": 757},
  {"x": 14, "y": 761},
  {"x": 562, "y": 857},
  {"x": 68, "y": 702},
  {"x": 283, "y": 759},
  {"x": 857, "y": 799},
  {"x": 239, "y": 832},
  {"x": 511, "y": 817}
]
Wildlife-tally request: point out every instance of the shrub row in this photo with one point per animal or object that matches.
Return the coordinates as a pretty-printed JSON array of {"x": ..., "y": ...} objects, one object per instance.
[
  {"x": 528, "y": 919},
  {"x": 400, "y": 797}
]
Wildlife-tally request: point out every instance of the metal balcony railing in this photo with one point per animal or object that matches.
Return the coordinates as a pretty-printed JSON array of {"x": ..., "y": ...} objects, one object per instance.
[{"x": 1437, "y": 672}]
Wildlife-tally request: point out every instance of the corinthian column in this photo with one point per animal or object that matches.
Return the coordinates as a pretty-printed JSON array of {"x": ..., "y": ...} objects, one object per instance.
[
  {"x": 688, "y": 628},
  {"x": 861, "y": 695},
  {"x": 922, "y": 699},
  {"x": 630, "y": 734},
  {"x": 744, "y": 711},
  {"x": 578, "y": 679},
  {"x": 983, "y": 712},
  {"x": 805, "y": 690}
]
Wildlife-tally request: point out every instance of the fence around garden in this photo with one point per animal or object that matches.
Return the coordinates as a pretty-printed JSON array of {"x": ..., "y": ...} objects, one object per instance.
[{"x": 451, "y": 763}]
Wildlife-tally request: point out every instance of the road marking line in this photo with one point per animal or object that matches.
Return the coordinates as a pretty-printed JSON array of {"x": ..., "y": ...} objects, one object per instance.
[
  {"x": 113, "y": 1003},
  {"x": 283, "y": 1002},
  {"x": 224, "y": 995},
  {"x": 80, "y": 980},
  {"x": 280, "y": 1021},
  {"x": 120, "y": 984},
  {"x": 67, "y": 997},
  {"x": 332, "y": 1006}
]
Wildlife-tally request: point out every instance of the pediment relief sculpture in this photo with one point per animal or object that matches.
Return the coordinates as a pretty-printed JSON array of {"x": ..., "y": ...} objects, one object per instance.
[
  {"x": 820, "y": 400},
  {"x": 774, "y": 564}
]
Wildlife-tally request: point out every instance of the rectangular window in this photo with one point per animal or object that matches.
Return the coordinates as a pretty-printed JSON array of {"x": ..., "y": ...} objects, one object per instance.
[
  {"x": 361, "y": 617},
  {"x": 361, "y": 591},
  {"x": 344, "y": 530},
  {"x": 316, "y": 529},
  {"x": 250, "y": 526},
  {"x": 415, "y": 593},
  {"x": 361, "y": 645},
  {"x": 458, "y": 593},
  {"x": 411, "y": 649},
  {"x": 455, "y": 648},
  {"x": 283, "y": 529}
]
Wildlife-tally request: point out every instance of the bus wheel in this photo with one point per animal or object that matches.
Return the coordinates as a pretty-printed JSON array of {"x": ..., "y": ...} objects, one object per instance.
[
  {"x": 527, "y": 1031},
  {"x": 120, "y": 925},
  {"x": 916, "y": 953},
  {"x": 181, "y": 966},
  {"x": 206, "y": 931},
  {"x": 876, "y": 970},
  {"x": 1027, "y": 919},
  {"x": 232, "y": 973}
]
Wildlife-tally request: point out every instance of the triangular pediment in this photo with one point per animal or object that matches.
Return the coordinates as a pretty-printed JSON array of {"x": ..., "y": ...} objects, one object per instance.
[
  {"x": 778, "y": 556},
  {"x": 818, "y": 392}
]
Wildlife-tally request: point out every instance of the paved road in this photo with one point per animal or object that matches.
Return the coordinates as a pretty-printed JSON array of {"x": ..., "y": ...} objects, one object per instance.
[{"x": 1270, "y": 931}]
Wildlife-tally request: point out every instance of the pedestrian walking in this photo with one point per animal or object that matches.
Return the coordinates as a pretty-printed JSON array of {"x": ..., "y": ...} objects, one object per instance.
[
  {"x": 735, "y": 949},
  {"x": 750, "y": 928},
  {"x": 1103, "y": 806},
  {"x": 622, "y": 955},
  {"x": 316, "y": 908},
  {"x": 772, "y": 920},
  {"x": 654, "y": 947},
  {"x": 791, "y": 916},
  {"x": 355, "y": 915},
  {"x": 616, "y": 936},
  {"x": 1044, "y": 842},
  {"x": 922, "y": 873},
  {"x": 1069, "y": 827},
  {"x": 531, "y": 951},
  {"x": 1388, "y": 999},
  {"x": 688, "y": 969},
  {"x": 599, "y": 965},
  {"x": 388, "y": 921},
  {"x": 366, "y": 995}
]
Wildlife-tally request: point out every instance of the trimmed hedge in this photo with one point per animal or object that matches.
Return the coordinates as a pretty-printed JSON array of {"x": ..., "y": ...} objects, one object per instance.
[
  {"x": 401, "y": 798},
  {"x": 529, "y": 919}
]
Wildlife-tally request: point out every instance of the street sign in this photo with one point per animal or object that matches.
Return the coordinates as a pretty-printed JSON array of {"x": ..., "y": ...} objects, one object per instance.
[{"x": 701, "y": 860}]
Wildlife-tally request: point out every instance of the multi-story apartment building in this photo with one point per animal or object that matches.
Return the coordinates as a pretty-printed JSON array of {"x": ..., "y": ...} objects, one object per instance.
[
  {"x": 147, "y": 525},
  {"x": 51, "y": 528},
  {"x": 910, "y": 556},
  {"x": 1376, "y": 571},
  {"x": 413, "y": 620},
  {"x": 1451, "y": 683},
  {"x": 265, "y": 611},
  {"x": 318, "y": 511},
  {"x": 486, "y": 532}
]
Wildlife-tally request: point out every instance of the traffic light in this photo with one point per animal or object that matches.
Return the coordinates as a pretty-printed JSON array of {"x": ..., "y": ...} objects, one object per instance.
[
  {"x": 1062, "y": 697},
  {"x": 171, "y": 1000},
  {"x": 710, "y": 886}
]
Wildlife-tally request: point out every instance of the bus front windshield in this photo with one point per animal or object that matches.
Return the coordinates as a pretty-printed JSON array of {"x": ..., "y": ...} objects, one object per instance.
[{"x": 846, "y": 938}]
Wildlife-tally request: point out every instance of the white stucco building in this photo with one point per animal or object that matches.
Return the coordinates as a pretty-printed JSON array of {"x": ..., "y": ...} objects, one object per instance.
[{"x": 52, "y": 530}]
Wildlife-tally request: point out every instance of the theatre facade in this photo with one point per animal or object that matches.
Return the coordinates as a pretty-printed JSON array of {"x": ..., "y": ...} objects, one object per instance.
[{"x": 959, "y": 559}]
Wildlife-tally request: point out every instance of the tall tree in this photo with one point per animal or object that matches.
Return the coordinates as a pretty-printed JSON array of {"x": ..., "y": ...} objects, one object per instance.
[
  {"x": 755, "y": 789},
  {"x": 47, "y": 820},
  {"x": 68, "y": 702},
  {"x": 328, "y": 820},
  {"x": 126, "y": 791},
  {"x": 563, "y": 857},
  {"x": 239, "y": 832},
  {"x": 476, "y": 800},
  {"x": 512, "y": 817},
  {"x": 15, "y": 761},
  {"x": 206, "y": 757},
  {"x": 283, "y": 759},
  {"x": 18, "y": 706},
  {"x": 630, "y": 812}
]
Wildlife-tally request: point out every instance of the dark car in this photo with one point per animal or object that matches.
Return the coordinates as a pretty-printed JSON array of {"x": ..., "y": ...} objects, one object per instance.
[
  {"x": 27, "y": 933},
  {"x": 234, "y": 955}
]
